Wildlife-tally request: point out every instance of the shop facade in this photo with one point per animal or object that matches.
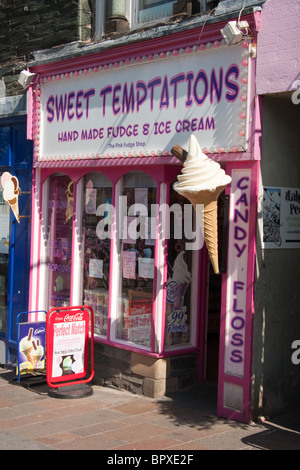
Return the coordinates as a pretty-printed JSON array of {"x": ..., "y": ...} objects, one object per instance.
[{"x": 108, "y": 230}]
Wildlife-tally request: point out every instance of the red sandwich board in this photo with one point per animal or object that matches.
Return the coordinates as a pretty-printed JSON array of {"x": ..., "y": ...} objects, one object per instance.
[{"x": 67, "y": 334}]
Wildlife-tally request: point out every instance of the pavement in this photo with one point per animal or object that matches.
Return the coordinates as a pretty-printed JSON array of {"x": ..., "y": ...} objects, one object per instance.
[{"x": 116, "y": 420}]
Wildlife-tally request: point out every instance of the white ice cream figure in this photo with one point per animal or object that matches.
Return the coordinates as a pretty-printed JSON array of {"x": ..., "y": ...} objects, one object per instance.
[
  {"x": 26, "y": 346},
  {"x": 201, "y": 181},
  {"x": 179, "y": 282},
  {"x": 37, "y": 353}
]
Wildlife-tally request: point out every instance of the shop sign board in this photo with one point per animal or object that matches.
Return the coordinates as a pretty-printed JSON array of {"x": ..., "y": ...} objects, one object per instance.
[
  {"x": 31, "y": 347},
  {"x": 281, "y": 217},
  {"x": 144, "y": 107},
  {"x": 68, "y": 331}
]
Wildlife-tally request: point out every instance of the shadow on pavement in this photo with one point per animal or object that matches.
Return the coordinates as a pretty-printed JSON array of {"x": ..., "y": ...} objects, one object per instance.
[
  {"x": 195, "y": 407},
  {"x": 274, "y": 438}
]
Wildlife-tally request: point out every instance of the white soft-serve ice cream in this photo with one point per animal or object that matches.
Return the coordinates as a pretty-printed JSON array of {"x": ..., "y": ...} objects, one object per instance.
[
  {"x": 26, "y": 345},
  {"x": 182, "y": 277},
  {"x": 201, "y": 181},
  {"x": 37, "y": 353}
]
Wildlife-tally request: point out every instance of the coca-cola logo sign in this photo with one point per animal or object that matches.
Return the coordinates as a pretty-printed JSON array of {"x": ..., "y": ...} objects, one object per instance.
[{"x": 75, "y": 317}]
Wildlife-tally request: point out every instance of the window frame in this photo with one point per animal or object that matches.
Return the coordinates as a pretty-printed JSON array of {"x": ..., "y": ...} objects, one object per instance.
[
  {"x": 45, "y": 257},
  {"x": 134, "y": 18},
  {"x": 157, "y": 346},
  {"x": 131, "y": 13}
]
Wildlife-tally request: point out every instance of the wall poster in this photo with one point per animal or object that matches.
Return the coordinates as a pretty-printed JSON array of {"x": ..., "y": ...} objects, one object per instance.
[{"x": 281, "y": 217}]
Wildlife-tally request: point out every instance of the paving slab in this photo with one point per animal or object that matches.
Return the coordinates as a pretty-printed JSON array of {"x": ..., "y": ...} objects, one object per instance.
[{"x": 116, "y": 420}]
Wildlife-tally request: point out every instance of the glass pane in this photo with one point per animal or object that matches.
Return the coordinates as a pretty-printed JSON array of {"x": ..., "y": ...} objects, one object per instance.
[
  {"x": 4, "y": 249},
  {"x": 178, "y": 304},
  {"x": 59, "y": 243},
  {"x": 151, "y": 10},
  {"x": 97, "y": 200},
  {"x": 137, "y": 251}
]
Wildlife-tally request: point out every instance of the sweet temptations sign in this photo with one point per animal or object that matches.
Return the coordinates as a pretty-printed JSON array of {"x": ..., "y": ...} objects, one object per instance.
[{"x": 146, "y": 105}]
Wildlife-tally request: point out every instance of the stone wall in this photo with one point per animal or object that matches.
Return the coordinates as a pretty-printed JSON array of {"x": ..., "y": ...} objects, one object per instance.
[
  {"x": 34, "y": 25},
  {"x": 144, "y": 375},
  {"x": 276, "y": 379}
]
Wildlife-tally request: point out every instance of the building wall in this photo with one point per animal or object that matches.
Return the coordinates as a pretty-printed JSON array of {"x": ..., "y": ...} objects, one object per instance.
[
  {"x": 277, "y": 294},
  {"x": 34, "y": 25},
  {"x": 278, "y": 60},
  {"x": 144, "y": 375}
]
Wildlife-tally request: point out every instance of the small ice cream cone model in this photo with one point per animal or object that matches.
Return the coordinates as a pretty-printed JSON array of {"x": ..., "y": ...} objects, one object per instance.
[
  {"x": 26, "y": 346},
  {"x": 36, "y": 353},
  {"x": 11, "y": 192},
  {"x": 70, "y": 199},
  {"x": 201, "y": 181},
  {"x": 182, "y": 278}
]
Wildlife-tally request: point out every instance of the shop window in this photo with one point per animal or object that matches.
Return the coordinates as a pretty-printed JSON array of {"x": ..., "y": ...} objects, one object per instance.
[
  {"x": 147, "y": 11},
  {"x": 137, "y": 12},
  {"x": 180, "y": 309},
  {"x": 59, "y": 239},
  {"x": 4, "y": 249},
  {"x": 136, "y": 250},
  {"x": 96, "y": 224}
]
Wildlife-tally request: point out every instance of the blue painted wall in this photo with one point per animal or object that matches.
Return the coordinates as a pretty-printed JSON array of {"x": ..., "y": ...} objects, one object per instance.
[{"x": 16, "y": 158}]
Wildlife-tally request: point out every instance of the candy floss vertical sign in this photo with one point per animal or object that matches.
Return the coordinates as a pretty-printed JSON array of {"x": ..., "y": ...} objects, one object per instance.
[{"x": 236, "y": 305}]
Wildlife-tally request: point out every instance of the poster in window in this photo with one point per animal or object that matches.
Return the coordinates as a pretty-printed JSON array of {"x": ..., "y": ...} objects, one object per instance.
[
  {"x": 146, "y": 268},
  {"x": 140, "y": 313},
  {"x": 281, "y": 217},
  {"x": 129, "y": 264},
  {"x": 96, "y": 268},
  {"x": 90, "y": 198}
]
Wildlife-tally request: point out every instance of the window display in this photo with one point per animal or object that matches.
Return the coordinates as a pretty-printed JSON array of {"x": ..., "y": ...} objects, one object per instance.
[
  {"x": 117, "y": 239},
  {"x": 137, "y": 252},
  {"x": 97, "y": 201},
  {"x": 179, "y": 283},
  {"x": 59, "y": 239}
]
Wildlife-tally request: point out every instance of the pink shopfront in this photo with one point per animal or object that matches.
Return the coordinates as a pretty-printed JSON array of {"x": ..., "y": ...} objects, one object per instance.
[{"x": 109, "y": 231}]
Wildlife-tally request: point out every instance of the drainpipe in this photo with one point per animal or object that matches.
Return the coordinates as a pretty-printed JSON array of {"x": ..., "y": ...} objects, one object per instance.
[{"x": 117, "y": 21}]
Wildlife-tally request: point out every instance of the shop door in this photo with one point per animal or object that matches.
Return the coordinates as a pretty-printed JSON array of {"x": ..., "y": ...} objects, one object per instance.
[
  {"x": 213, "y": 328},
  {"x": 214, "y": 294}
]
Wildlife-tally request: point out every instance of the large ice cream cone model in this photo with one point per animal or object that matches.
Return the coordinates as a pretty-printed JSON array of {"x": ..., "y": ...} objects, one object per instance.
[
  {"x": 11, "y": 192},
  {"x": 201, "y": 182}
]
